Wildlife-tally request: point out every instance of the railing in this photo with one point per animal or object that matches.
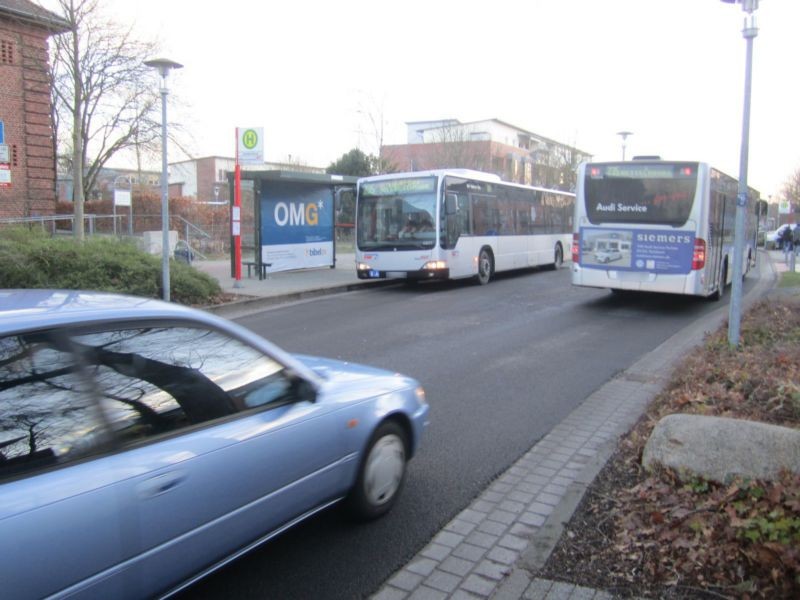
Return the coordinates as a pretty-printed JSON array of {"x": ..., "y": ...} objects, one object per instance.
[{"x": 50, "y": 224}]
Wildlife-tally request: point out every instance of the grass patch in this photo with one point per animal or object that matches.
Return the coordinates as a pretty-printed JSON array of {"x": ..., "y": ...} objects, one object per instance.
[{"x": 789, "y": 280}]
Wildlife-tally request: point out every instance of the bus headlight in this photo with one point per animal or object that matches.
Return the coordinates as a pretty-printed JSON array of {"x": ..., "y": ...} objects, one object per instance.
[
  {"x": 362, "y": 267},
  {"x": 434, "y": 265}
]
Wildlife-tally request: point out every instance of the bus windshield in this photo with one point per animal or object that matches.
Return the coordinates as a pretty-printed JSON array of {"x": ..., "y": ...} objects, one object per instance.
[
  {"x": 397, "y": 214},
  {"x": 655, "y": 193}
]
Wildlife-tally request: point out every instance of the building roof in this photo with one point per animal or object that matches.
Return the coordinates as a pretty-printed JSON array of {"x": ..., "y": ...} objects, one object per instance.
[
  {"x": 448, "y": 122},
  {"x": 32, "y": 13},
  {"x": 301, "y": 177}
]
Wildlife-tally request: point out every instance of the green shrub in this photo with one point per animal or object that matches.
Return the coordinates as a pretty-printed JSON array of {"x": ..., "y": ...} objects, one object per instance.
[{"x": 31, "y": 259}]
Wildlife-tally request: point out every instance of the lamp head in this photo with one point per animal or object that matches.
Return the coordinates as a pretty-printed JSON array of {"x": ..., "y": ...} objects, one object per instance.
[
  {"x": 747, "y": 5},
  {"x": 163, "y": 65}
]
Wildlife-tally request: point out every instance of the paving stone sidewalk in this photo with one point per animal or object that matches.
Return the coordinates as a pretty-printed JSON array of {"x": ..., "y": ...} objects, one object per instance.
[{"x": 492, "y": 548}]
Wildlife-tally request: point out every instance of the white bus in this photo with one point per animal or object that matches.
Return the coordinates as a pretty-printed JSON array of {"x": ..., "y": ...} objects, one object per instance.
[
  {"x": 457, "y": 223},
  {"x": 658, "y": 226}
]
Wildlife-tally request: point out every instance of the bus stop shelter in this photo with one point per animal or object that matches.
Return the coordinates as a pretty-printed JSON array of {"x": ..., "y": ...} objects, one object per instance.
[{"x": 288, "y": 219}]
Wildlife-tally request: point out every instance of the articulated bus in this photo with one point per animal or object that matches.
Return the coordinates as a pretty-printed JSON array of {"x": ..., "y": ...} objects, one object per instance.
[
  {"x": 658, "y": 226},
  {"x": 457, "y": 223}
]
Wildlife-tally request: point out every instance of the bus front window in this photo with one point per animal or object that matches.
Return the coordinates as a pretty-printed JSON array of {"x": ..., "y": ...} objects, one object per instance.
[{"x": 398, "y": 214}]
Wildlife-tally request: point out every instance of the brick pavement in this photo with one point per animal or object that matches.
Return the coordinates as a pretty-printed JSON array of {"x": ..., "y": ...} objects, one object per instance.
[{"x": 492, "y": 548}]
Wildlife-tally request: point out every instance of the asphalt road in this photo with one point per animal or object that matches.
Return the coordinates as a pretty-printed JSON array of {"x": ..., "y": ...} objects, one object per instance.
[{"x": 502, "y": 364}]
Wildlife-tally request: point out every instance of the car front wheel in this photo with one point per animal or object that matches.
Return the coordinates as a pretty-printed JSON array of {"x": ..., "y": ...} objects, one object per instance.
[{"x": 381, "y": 474}]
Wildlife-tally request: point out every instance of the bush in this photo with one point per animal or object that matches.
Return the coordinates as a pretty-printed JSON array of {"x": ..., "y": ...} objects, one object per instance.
[{"x": 31, "y": 259}]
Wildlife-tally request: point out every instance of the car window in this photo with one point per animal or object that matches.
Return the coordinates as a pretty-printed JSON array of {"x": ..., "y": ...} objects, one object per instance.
[
  {"x": 156, "y": 380},
  {"x": 47, "y": 413}
]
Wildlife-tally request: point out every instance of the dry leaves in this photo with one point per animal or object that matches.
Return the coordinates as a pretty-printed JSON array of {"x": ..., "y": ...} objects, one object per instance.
[{"x": 650, "y": 535}]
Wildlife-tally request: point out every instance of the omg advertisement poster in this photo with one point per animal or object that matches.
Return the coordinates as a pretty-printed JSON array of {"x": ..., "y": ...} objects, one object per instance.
[
  {"x": 652, "y": 250},
  {"x": 297, "y": 225}
]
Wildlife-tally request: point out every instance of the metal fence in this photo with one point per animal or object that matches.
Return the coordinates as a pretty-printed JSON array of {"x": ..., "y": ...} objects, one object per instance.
[{"x": 121, "y": 225}]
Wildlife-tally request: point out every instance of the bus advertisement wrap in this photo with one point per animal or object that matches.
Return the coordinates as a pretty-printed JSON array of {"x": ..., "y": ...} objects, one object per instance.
[
  {"x": 662, "y": 251},
  {"x": 297, "y": 227}
]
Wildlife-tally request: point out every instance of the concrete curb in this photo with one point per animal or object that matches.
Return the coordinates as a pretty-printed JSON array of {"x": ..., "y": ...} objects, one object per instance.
[{"x": 240, "y": 308}]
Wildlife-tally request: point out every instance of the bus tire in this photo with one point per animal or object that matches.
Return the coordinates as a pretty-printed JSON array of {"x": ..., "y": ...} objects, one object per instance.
[
  {"x": 723, "y": 276},
  {"x": 558, "y": 258},
  {"x": 485, "y": 266},
  {"x": 747, "y": 265}
]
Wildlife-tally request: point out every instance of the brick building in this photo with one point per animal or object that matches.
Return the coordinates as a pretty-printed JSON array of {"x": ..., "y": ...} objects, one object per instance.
[{"x": 27, "y": 165}]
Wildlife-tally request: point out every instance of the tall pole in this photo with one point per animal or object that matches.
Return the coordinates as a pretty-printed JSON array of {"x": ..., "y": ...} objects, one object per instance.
[
  {"x": 749, "y": 33},
  {"x": 236, "y": 221},
  {"x": 624, "y": 135},
  {"x": 165, "y": 283},
  {"x": 164, "y": 65}
]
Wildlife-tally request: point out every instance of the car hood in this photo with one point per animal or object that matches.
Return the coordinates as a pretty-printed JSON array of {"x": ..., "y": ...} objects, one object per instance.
[{"x": 351, "y": 374}]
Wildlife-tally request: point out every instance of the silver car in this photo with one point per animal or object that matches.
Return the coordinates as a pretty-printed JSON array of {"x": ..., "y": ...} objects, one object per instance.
[{"x": 145, "y": 444}]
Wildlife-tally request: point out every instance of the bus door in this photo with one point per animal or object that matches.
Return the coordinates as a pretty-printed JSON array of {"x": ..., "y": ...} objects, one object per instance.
[
  {"x": 716, "y": 232},
  {"x": 456, "y": 234}
]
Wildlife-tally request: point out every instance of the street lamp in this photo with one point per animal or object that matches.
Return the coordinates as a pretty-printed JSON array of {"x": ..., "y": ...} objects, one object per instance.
[
  {"x": 163, "y": 66},
  {"x": 624, "y": 135},
  {"x": 749, "y": 32}
]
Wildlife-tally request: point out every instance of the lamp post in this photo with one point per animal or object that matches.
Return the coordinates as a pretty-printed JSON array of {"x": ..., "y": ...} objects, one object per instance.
[
  {"x": 624, "y": 135},
  {"x": 749, "y": 32},
  {"x": 163, "y": 66}
]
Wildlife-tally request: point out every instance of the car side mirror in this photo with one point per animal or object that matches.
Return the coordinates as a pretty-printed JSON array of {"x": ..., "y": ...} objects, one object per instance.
[{"x": 303, "y": 389}]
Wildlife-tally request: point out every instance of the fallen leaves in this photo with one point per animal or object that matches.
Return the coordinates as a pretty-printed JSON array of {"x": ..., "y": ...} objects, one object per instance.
[{"x": 648, "y": 534}]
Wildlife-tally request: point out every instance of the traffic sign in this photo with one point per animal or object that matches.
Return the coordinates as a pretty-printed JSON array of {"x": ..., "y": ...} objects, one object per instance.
[
  {"x": 250, "y": 145},
  {"x": 122, "y": 198}
]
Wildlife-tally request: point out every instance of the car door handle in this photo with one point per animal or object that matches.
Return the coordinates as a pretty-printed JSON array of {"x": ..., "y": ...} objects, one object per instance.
[{"x": 160, "y": 484}]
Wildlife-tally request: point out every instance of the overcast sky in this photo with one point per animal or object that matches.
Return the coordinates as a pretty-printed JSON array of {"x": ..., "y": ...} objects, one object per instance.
[{"x": 579, "y": 71}]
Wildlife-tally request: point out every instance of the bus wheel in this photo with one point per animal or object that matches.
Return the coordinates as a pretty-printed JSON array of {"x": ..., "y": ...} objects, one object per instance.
[
  {"x": 558, "y": 258},
  {"x": 723, "y": 276},
  {"x": 485, "y": 266}
]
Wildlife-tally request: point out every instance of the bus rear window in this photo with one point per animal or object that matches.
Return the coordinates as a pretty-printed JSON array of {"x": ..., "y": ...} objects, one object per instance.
[{"x": 659, "y": 194}]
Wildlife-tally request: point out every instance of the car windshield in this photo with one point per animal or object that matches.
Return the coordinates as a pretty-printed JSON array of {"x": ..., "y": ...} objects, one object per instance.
[{"x": 397, "y": 214}]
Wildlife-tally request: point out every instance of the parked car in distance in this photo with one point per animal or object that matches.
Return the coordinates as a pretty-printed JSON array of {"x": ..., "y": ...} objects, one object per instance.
[
  {"x": 607, "y": 256},
  {"x": 144, "y": 444},
  {"x": 773, "y": 239}
]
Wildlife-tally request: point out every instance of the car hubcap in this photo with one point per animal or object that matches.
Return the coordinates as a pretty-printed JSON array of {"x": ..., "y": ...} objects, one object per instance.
[{"x": 384, "y": 470}]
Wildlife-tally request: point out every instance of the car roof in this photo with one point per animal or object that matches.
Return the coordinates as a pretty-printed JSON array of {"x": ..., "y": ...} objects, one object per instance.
[{"x": 26, "y": 309}]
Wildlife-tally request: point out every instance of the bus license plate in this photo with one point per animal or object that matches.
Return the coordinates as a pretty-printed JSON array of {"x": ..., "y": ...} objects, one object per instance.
[{"x": 375, "y": 274}]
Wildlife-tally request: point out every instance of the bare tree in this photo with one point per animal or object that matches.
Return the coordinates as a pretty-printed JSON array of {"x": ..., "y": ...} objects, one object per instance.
[
  {"x": 555, "y": 166},
  {"x": 372, "y": 113},
  {"x": 102, "y": 94},
  {"x": 791, "y": 189},
  {"x": 456, "y": 147}
]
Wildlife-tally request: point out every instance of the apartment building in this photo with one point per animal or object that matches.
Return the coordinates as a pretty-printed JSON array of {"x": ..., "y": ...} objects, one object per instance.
[{"x": 491, "y": 145}]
